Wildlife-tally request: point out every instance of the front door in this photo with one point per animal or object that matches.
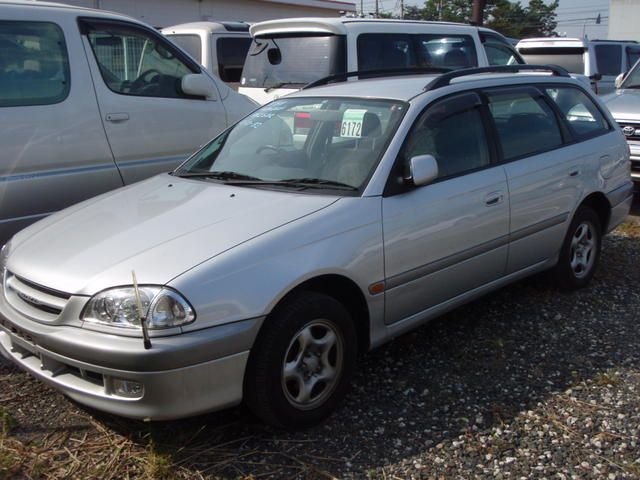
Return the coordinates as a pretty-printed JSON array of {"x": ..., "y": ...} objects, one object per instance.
[
  {"x": 449, "y": 237},
  {"x": 151, "y": 125}
]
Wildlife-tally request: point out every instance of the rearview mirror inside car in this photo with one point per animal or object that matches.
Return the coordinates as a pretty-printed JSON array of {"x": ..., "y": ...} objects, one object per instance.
[
  {"x": 198, "y": 85},
  {"x": 423, "y": 169}
]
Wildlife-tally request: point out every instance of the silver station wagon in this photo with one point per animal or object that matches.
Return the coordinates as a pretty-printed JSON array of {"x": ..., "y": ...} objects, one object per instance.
[{"x": 315, "y": 229}]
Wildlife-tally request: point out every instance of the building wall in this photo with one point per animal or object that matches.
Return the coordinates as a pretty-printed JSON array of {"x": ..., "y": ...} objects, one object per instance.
[
  {"x": 624, "y": 16},
  {"x": 162, "y": 13}
]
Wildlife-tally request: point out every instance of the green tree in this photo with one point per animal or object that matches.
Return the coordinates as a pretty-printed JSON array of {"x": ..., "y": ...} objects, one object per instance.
[{"x": 508, "y": 17}]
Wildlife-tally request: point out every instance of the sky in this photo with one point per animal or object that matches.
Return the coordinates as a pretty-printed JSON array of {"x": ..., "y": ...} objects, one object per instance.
[{"x": 575, "y": 17}]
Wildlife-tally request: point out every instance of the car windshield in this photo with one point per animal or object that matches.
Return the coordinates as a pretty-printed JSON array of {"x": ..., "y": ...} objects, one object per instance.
[
  {"x": 301, "y": 143},
  {"x": 570, "y": 58},
  {"x": 633, "y": 78},
  {"x": 292, "y": 61}
]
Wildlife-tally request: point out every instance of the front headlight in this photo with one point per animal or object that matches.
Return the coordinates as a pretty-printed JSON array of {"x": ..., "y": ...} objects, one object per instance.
[
  {"x": 4, "y": 254},
  {"x": 118, "y": 307}
]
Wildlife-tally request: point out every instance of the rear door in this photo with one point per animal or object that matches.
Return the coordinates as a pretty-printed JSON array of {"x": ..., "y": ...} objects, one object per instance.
[
  {"x": 449, "y": 237},
  {"x": 544, "y": 176},
  {"x": 53, "y": 150},
  {"x": 151, "y": 125}
]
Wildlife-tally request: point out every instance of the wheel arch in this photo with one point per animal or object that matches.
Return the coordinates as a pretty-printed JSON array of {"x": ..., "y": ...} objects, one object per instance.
[
  {"x": 345, "y": 291},
  {"x": 598, "y": 202}
]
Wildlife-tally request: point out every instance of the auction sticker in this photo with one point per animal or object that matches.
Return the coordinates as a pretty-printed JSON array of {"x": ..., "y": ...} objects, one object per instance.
[{"x": 352, "y": 120}]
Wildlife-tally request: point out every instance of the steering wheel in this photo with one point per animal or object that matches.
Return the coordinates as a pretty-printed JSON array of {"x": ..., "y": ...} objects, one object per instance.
[
  {"x": 140, "y": 82},
  {"x": 269, "y": 147}
]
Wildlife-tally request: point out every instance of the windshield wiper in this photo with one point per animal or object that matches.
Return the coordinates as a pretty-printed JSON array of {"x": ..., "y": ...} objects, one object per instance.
[
  {"x": 630, "y": 86},
  {"x": 318, "y": 183},
  {"x": 218, "y": 175}
]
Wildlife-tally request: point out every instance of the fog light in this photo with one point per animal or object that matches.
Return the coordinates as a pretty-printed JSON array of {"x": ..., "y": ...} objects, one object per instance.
[{"x": 126, "y": 388}]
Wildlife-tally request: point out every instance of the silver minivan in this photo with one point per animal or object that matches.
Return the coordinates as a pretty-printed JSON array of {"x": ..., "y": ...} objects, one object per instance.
[
  {"x": 261, "y": 267},
  {"x": 91, "y": 101}
]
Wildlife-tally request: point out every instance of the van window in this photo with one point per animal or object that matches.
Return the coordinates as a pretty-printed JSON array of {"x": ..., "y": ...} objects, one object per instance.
[
  {"x": 584, "y": 118},
  {"x": 34, "y": 67},
  {"x": 379, "y": 51},
  {"x": 189, "y": 43},
  {"x": 569, "y": 58},
  {"x": 609, "y": 59},
  {"x": 633, "y": 54},
  {"x": 438, "y": 133},
  {"x": 499, "y": 54},
  {"x": 293, "y": 61},
  {"x": 526, "y": 124},
  {"x": 135, "y": 62},
  {"x": 231, "y": 53}
]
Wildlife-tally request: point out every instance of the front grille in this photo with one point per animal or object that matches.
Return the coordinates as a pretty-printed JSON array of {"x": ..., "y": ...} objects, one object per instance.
[
  {"x": 32, "y": 299},
  {"x": 627, "y": 130}
]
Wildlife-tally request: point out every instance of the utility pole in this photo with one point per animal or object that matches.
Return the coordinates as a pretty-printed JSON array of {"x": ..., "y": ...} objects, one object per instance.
[
  {"x": 377, "y": 9},
  {"x": 361, "y": 8},
  {"x": 402, "y": 9},
  {"x": 478, "y": 12}
]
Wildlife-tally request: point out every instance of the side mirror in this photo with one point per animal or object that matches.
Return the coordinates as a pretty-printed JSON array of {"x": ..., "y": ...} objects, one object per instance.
[
  {"x": 198, "y": 85},
  {"x": 423, "y": 169},
  {"x": 596, "y": 77},
  {"x": 619, "y": 79}
]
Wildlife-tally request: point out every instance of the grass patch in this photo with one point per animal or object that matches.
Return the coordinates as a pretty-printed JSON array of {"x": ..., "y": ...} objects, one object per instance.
[
  {"x": 630, "y": 228},
  {"x": 7, "y": 422},
  {"x": 606, "y": 380}
]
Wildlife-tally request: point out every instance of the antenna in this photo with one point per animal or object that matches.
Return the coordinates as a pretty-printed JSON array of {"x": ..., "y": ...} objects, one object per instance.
[{"x": 141, "y": 317}]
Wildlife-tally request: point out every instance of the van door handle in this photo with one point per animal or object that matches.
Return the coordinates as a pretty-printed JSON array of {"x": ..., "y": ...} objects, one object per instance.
[
  {"x": 493, "y": 198},
  {"x": 116, "y": 117},
  {"x": 574, "y": 173}
]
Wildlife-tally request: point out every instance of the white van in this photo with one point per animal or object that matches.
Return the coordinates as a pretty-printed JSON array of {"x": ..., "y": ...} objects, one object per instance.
[
  {"x": 91, "y": 101},
  {"x": 220, "y": 47},
  {"x": 601, "y": 61},
  {"x": 287, "y": 54}
]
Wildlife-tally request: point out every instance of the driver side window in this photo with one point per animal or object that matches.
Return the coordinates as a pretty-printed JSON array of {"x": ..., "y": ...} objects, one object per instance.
[{"x": 135, "y": 62}]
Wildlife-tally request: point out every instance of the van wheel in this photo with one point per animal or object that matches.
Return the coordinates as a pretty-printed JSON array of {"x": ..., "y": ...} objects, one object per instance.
[
  {"x": 580, "y": 251},
  {"x": 302, "y": 362}
]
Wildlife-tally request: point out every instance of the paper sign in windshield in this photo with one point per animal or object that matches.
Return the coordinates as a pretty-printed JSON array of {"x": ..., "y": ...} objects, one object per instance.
[{"x": 352, "y": 120}]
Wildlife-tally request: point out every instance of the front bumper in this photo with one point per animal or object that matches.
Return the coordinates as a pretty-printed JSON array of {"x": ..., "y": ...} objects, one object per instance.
[{"x": 180, "y": 376}]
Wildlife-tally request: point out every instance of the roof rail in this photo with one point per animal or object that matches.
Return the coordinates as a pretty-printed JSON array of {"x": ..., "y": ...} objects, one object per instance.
[
  {"x": 612, "y": 41},
  {"x": 388, "y": 72},
  {"x": 445, "y": 79}
]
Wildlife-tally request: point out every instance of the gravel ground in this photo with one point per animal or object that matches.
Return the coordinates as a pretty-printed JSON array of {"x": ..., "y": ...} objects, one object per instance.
[{"x": 525, "y": 383}]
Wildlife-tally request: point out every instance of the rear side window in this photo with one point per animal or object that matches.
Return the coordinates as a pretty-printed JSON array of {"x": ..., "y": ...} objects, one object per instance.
[
  {"x": 380, "y": 51},
  {"x": 231, "y": 53},
  {"x": 569, "y": 58},
  {"x": 438, "y": 133},
  {"x": 451, "y": 51},
  {"x": 189, "y": 43},
  {"x": 34, "y": 66},
  {"x": 582, "y": 115},
  {"x": 526, "y": 124},
  {"x": 609, "y": 58}
]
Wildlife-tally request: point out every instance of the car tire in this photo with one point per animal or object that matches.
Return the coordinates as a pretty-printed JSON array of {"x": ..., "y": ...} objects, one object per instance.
[
  {"x": 580, "y": 251},
  {"x": 302, "y": 363}
]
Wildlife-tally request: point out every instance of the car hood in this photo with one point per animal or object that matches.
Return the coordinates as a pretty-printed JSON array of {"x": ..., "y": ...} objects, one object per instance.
[
  {"x": 624, "y": 104},
  {"x": 160, "y": 228}
]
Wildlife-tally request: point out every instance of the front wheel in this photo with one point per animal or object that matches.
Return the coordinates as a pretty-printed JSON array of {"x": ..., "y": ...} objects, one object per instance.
[
  {"x": 302, "y": 363},
  {"x": 580, "y": 251}
]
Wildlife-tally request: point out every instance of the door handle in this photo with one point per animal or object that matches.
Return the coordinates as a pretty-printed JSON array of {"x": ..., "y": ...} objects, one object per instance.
[
  {"x": 116, "y": 117},
  {"x": 574, "y": 173},
  {"x": 493, "y": 198}
]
